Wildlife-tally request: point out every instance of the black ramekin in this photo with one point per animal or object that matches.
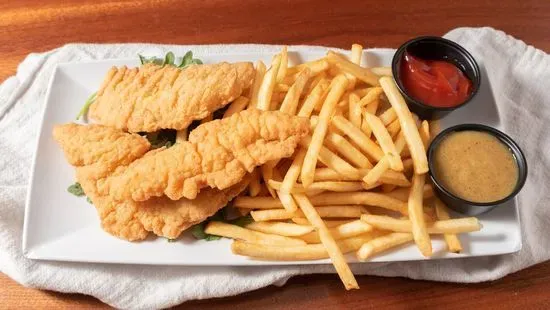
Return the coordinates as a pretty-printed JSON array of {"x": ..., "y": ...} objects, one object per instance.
[
  {"x": 435, "y": 48},
  {"x": 465, "y": 206}
]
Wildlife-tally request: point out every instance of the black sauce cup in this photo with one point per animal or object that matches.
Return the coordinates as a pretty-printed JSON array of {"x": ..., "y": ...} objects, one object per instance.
[
  {"x": 469, "y": 207},
  {"x": 435, "y": 48}
]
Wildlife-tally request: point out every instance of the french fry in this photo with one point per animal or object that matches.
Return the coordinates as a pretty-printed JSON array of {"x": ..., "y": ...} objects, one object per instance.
[
  {"x": 408, "y": 125},
  {"x": 308, "y": 168},
  {"x": 281, "y": 229},
  {"x": 257, "y": 203},
  {"x": 301, "y": 221},
  {"x": 362, "y": 92},
  {"x": 370, "y": 109},
  {"x": 388, "y": 177},
  {"x": 331, "y": 160},
  {"x": 268, "y": 84},
  {"x": 314, "y": 98},
  {"x": 403, "y": 193},
  {"x": 290, "y": 103},
  {"x": 388, "y": 116},
  {"x": 416, "y": 214},
  {"x": 335, "y": 223},
  {"x": 339, "y": 211},
  {"x": 281, "y": 88},
  {"x": 373, "y": 107},
  {"x": 293, "y": 171},
  {"x": 408, "y": 164},
  {"x": 357, "y": 136},
  {"x": 236, "y": 106},
  {"x": 363, "y": 74},
  {"x": 381, "y": 71},
  {"x": 267, "y": 174},
  {"x": 314, "y": 82},
  {"x": 347, "y": 230},
  {"x": 354, "y": 113},
  {"x": 424, "y": 131},
  {"x": 304, "y": 252},
  {"x": 254, "y": 186},
  {"x": 400, "y": 144},
  {"x": 316, "y": 67},
  {"x": 385, "y": 141},
  {"x": 373, "y": 94},
  {"x": 376, "y": 173},
  {"x": 328, "y": 242},
  {"x": 334, "y": 186},
  {"x": 258, "y": 79},
  {"x": 287, "y": 200},
  {"x": 360, "y": 198},
  {"x": 394, "y": 128},
  {"x": 453, "y": 243},
  {"x": 347, "y": 150},
  {"x": 284, "y": 64},
  {"x": 237, "y": 232},
  {"x": 382, "y": 244},
  {"x": 451, "y": 226},
  {"x": 356, "y": 54},
  {"x": 181, "y": 135}
]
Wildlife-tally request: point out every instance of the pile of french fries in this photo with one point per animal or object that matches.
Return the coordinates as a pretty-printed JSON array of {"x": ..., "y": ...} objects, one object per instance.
[{"x": 357, "y": 183}]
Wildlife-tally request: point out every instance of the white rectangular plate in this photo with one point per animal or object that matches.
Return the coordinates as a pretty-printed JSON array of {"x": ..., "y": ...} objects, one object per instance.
[{"x": 60, "y": 226}]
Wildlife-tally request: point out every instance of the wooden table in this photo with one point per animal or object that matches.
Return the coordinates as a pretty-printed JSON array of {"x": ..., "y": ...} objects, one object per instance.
[{"x": 37, "y": 25}]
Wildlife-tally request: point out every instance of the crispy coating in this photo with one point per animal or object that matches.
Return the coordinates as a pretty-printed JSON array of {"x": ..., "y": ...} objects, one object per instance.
[
  {"x": 218, "y": 155},
  {"x": 153, "y": 97},
  {"x": 86, "y": 145},
  {"x": 164, "y": 217},
  {"x": 99, "y": 151}
]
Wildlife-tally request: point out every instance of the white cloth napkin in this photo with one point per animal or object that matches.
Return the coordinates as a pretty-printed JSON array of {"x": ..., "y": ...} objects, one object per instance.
[{"x": 520, "y": 76}]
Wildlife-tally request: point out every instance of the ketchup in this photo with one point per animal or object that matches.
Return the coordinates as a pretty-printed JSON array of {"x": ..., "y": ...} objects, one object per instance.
[{"x": 433, "y": 82}]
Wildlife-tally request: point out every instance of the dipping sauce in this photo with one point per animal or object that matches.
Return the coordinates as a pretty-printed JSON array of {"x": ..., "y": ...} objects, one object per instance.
[
  {"x": 475, "y": 166},
  {"x": 434, "y": 82}
]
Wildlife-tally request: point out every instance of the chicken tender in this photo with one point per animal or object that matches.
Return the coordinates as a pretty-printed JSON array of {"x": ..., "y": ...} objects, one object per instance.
[
  {"x": 99, "y": 151},
  {"x": 164, "y": 217},
  {"x": 218, "y": 155},
  {"x": 152, "y": 97}
]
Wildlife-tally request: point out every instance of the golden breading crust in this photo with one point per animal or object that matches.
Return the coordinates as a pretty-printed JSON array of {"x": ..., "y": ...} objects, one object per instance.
[
  {"x": 86, "y": 145},
  {"x": 218, "y": 155},
  {"x": 153, "y": 97},
  {"x": 164, "y": 217},
  {"x": 99, "y": 151}
]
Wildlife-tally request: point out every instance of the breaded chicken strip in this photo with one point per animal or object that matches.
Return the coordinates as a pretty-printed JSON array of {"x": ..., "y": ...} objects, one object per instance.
[
  {"x": 153, "y": 97},
  {"x": 164, "y": 217},
  {"x": 97, "y": 144},
  {"x": 99, "y": 151},
  {"x": 218, "y": 155}
]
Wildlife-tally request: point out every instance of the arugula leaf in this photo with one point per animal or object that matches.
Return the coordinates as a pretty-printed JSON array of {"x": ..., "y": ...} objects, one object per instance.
[
  {"x": 212, "y": 237},
  {"x": 169, "y": 59},
  {"x": 86, "y": 106},
  {"x": 89, "y": 200},
  {"x": 186, "y": 60},
  {"x": 198, "y": 231},
  {"x": 76, "y": 189},
  {"x": 171, "y": 240}
]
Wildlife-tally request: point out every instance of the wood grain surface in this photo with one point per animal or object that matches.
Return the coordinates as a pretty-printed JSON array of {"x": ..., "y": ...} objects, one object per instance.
[{"x": 28, "y": 26}]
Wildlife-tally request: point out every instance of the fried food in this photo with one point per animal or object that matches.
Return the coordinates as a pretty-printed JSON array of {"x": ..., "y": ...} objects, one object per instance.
[
  {"x": 164, "y": 217},
  {"x": 98, "y": 151},
  {"x": 218, "y": 155},
  {"x": 152, "y": 97},
  {"x": 101, "y": 145}
]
